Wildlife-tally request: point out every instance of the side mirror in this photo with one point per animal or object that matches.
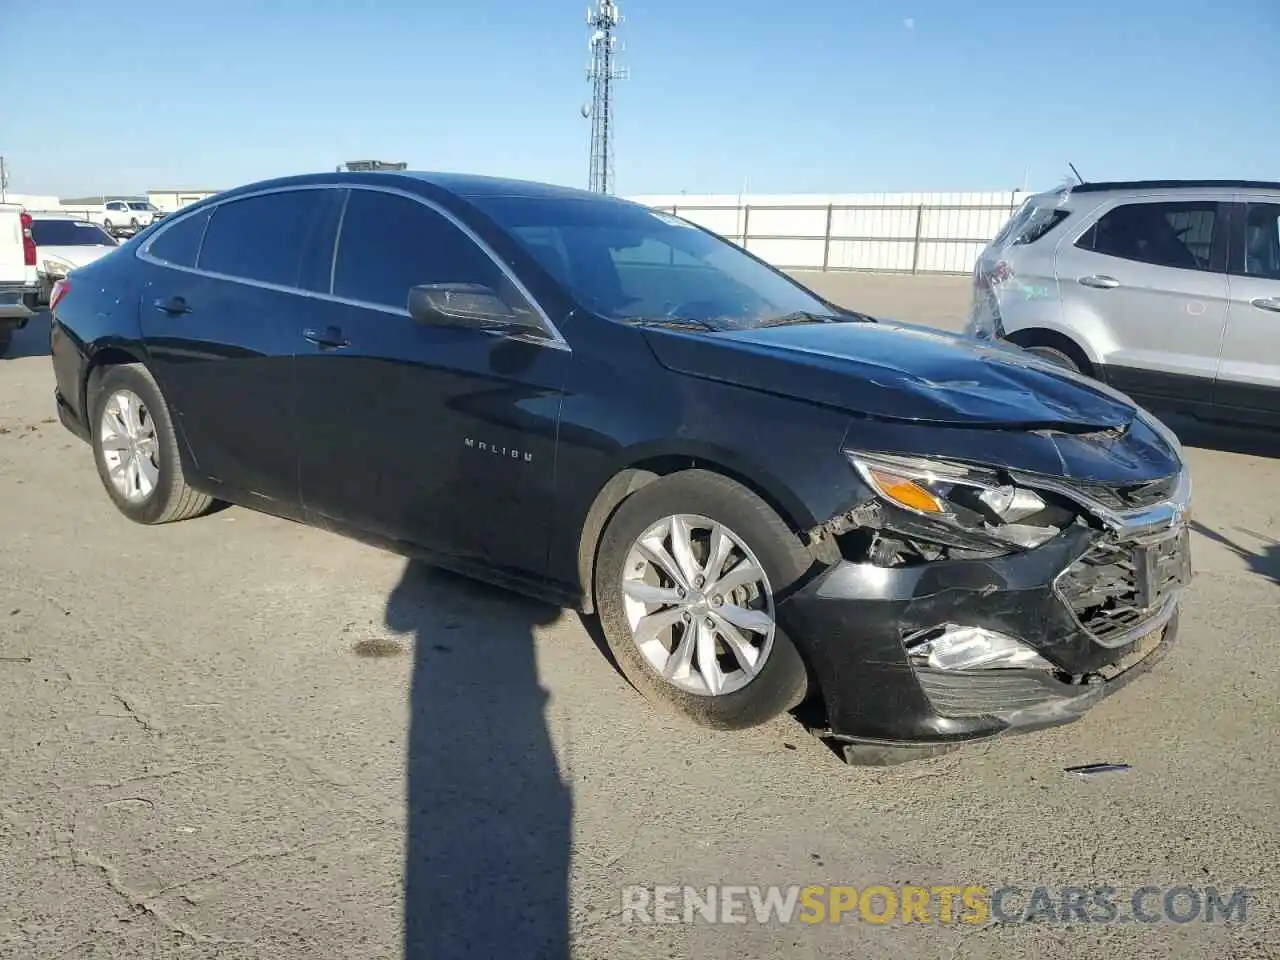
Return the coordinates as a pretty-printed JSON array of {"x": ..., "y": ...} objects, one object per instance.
[{"x": 470, "y": 305}]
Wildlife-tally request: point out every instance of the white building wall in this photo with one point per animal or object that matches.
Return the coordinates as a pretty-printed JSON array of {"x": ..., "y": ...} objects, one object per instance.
[
  {"x": 171, "y": 200},
  {"x": 32, "y": 201},
  {"x": 899, "y": 232}
]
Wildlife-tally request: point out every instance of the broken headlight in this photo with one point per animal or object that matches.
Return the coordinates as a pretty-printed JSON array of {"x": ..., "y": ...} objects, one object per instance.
[
  {"x": 960, "y": 499},
  {"x": 56, "y": 268}
]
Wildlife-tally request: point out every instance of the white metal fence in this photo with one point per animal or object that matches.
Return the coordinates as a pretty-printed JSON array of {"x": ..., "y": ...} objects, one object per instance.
[
  {"x": 68, "y": 213},
  {"x": 913, "y": 233}
]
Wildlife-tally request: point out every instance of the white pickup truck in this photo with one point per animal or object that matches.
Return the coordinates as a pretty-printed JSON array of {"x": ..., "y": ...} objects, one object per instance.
[{"x": 19, "y": 281}]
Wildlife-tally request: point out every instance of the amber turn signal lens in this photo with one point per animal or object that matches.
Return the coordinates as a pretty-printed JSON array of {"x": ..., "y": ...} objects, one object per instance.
[{"x": 906, "y": 492}]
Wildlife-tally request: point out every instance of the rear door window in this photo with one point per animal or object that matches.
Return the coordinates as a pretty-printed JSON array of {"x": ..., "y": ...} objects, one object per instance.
[
  {"x": 179, "y": 242},
  {"x": 1261, "y": 242},
  {"x": 264, "y": 238},
  {"x": 1171, "y": 234}
]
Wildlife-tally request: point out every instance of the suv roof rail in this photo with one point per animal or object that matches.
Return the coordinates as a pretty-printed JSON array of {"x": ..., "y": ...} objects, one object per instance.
[{"x": 1099, "y": 186}]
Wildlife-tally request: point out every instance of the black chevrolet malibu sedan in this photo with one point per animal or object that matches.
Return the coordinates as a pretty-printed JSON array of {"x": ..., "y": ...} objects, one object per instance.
[{"x": 770, "y": 502}]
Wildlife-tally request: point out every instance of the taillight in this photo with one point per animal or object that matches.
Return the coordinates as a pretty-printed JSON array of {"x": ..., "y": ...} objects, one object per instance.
[
  {"x": 987, "y": 276},
  {"x": 60, "y": 289},
  {"x": 28, "y": 241}
]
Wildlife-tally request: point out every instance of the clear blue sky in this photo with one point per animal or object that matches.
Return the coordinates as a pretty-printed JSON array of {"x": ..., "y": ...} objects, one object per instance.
[{"x": 813, "y": 96}]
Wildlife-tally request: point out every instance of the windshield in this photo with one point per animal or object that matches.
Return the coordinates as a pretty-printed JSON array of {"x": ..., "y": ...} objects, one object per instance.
[
  {"x": 142, "y": 206},
  {"x": 628, "y": 262},
  {"x": 69, "y": 233}
]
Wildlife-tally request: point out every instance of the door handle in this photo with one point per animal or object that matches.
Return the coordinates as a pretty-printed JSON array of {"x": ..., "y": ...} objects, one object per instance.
[
  {"x": 1100, "y": 282},
  {"x": 172, "y": 306},
  {"x": 1268, "y": 303},
  {"x": 330, "y": 338}
]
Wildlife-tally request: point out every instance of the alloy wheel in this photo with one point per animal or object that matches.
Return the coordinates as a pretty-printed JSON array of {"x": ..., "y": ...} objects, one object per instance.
[
  {"x": 699, "y": 605},
  {"x": 127, "y": 436}
]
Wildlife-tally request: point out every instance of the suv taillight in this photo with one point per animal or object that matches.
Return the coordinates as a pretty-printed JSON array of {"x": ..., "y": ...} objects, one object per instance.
[
  {"x": 986, "y": 276},
  {"x": 60, "y": 289},
  {"x": 28, "y": 241}
]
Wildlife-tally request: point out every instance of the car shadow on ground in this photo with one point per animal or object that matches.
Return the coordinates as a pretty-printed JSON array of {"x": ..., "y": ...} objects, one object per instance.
[
  {"x": 489, "y": 818},
  {"x": 32, "y": 340},
  {"x": 1264, "y": 562}
]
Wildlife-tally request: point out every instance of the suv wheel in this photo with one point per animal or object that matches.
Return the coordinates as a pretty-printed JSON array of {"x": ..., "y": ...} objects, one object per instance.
[
  {"x": 688, "y": 577},
  {"x": 136, "y": 449},
  {"x": 1055, "y": 356},
  {"x": 6, "y": 339}
]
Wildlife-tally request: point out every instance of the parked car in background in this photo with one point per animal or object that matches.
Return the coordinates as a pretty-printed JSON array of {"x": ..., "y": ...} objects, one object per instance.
[
  {"x": 62, "y": 244},
  {"x": 1167, "y": 290},
  {"x": 19, "y": 279},
  {"x": 768, "y": 500},
  {"x": 129, "y": 216}
]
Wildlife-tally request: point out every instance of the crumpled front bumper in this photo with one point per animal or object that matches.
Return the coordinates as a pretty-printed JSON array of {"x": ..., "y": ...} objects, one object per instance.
[{"x": 853, "y": 620}]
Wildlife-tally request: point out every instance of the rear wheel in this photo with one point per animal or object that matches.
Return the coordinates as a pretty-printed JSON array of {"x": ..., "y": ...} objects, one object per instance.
[
  {"x": 107, "y": 224},
  {"x": 688, "y": 577},
  {"x": 136, "y": 449},
  {"x": 6, "y": 339}
]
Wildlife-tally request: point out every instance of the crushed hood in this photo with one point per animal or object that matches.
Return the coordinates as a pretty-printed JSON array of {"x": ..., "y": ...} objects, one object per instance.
[{"x": 894, "y": 371}]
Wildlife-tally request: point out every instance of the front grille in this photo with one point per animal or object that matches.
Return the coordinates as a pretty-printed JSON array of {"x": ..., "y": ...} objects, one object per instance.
[
  {"x": 1116, "y": 586},
  {"x": 1133, "y": 496}
]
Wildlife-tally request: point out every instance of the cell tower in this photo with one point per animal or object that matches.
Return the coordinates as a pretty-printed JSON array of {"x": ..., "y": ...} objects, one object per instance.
[{"x": 603, "y": 19}]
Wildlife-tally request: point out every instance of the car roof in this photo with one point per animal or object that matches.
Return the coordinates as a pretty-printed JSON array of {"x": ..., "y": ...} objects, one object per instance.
[
  {"x": 466, "y": 186},
  {"x": 1134, "y": 185}
]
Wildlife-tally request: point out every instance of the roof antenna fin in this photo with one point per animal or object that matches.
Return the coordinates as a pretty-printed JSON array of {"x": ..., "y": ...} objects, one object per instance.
[{"x": 1076, "y": 172}]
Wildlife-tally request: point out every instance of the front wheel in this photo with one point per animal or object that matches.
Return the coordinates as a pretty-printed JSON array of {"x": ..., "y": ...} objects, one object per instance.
[
  {"x": 688, "y": 577},
  {"x": 1056, "y": 357},
  {"x": 6, "y": 339},
  {"x": 136, "y": 449},
  {"x": 107, "y": 225}
]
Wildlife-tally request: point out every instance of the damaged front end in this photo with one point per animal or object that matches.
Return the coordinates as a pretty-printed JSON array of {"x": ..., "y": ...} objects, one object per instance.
[{"x": 971, "y": 600}]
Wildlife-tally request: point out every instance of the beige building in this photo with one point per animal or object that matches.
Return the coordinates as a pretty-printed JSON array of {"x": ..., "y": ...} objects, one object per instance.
[{"x": 171, "y": 200}]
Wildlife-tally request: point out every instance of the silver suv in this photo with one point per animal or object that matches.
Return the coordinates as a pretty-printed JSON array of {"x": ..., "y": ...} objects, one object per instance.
[{"x": 1167, "y": 290}]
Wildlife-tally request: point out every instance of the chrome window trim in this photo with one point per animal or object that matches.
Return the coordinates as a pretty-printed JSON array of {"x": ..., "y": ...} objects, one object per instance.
[
  {"x": 337, "y": 239},
  {"x": 554, "y": 339}
]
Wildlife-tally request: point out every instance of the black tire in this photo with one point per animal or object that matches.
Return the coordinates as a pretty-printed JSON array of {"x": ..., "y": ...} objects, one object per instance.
[
  {"x": 1056, "y": 357},
  {"x": 783, "y": 681},
  {"x": 171, "y": 499},
  {"x": 107, "y": 224},
  {"x": 6, "y": 339}
]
